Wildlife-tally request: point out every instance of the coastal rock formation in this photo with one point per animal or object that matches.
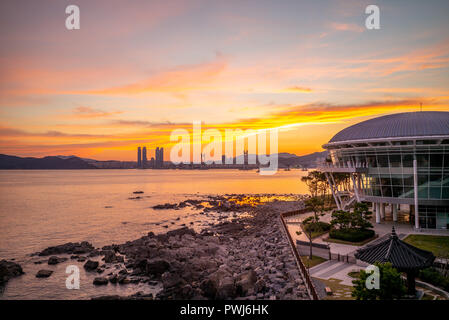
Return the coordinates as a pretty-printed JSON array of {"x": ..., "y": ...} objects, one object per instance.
[
  {"x": 68, "y": 248},
  {"x": 245, "y": 258},
  {"x": 8, "y": 270}
]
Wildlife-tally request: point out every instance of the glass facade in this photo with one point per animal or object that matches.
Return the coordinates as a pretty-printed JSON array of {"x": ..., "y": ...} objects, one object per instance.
[{"x": 389, "y": 173}]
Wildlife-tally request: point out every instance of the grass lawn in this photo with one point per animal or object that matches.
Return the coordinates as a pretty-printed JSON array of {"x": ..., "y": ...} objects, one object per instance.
[
  {"x": 427, "y": 297},
  {"x": 311, "y": 263},
  {"x": 339, "y": 291},
  {"x": 315, "y": 234},
  {"x": 439, "y": 245},
  {"x": 354, "y": 274}
]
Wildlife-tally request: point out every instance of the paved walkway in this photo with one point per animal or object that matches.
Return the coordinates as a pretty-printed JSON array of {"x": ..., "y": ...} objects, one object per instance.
[{"x": 336, "y": 270}]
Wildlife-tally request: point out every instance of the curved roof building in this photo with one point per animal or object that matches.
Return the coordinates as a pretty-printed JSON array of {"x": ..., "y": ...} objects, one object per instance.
[
  {"x": 399, "y": 125},
  {"x": 394, "y": 160}
]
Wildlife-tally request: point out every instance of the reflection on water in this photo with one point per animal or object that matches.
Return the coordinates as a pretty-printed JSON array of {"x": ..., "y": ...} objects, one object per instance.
[{"x": 41, "y": 208}]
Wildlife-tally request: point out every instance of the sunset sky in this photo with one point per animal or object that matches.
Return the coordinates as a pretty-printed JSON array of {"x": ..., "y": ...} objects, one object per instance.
[{"x": 136, "y": 70}]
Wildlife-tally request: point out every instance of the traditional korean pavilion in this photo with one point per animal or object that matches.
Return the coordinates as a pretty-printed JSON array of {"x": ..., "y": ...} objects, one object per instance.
[{"x": 403, "y": 257}]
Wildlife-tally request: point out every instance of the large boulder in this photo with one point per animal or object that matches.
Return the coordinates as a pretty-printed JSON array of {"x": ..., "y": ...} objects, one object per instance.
[
  {"x": 43, "y": 273},
  {"x": 208, "y": 288},
  {"x": 246, "y": 281},
  {"x": 91, "y": 265},
  {"x": 181, "y": 232},
  {"x": 111, "y": 257},
  {"x": 226, "y": 288},
  {"x": 8, "y": 270},
  {"x": 100, "y": 281},
  {"x": 220, "y": 284},
  {"x": 55, "y": 260},
  {"x": 171, "y": 280},
  {"x": 157, "y": 267}
]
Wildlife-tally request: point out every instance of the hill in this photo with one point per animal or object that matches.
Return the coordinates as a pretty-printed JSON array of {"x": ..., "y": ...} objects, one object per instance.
[{"x": 51, "y": 162}]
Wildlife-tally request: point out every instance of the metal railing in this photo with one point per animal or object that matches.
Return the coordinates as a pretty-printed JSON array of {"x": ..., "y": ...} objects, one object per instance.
[{"x": 303, "y": 270}]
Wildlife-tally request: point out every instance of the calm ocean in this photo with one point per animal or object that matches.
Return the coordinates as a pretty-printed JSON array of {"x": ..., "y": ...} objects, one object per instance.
[{"x": 41, "y": 208}]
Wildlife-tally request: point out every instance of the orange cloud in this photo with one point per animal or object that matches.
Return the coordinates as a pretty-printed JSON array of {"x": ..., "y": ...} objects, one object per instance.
[
  {"x": 88, "y": 112},
  {"x": 297, "y": 89},
  {"x": 180, "y": 79},
  {"x": 347, "y": 27}
]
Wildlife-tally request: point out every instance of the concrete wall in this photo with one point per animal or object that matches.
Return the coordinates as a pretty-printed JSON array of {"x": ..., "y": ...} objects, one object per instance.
[{"x": 319, "y": 250}]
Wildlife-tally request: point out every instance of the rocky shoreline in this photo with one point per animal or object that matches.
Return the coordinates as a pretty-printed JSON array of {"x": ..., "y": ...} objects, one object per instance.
[{"x": 244, "y": 258}]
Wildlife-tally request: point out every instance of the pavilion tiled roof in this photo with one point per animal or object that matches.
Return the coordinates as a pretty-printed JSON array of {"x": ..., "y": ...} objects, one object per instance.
[{"x": 400, "y": 254}]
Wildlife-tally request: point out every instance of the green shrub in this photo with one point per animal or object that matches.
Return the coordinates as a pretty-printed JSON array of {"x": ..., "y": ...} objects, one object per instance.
[
  {"x": 317, "y": 226},
  {"x": 432, "y": 276},
  {"x": 351, "y": 234},
  {"x": 391, "y": 285}
]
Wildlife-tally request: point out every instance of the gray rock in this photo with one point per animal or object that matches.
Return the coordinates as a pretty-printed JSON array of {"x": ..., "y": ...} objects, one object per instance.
[
  {"x": 170, "y": 280},
  {"x": 55, "y": 260},
  {"x": 157, "y": 267},
  {"x": 246, "y": 281},
  {"x": 100, "y": 281},
  {"x": 113, "y": 279},
  {"x": 8, "y": 270},
  {"x": 226, "y": 288},
  {"x": 44, "y": 273},
  {"x": 91, "y": 265}
]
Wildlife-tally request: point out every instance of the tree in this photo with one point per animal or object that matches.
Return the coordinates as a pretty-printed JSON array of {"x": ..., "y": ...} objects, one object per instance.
[
  {"x": 341, "y": 219},
  {"x": 317, "y": 183},
  {"x": 391, "y": 285},
  {"x": 315, "y": 205},
  {"x": 358, "y": 219},
  {"x": 308, "y": 225},
  {"x": 312, "y": 183},
  {"x": 361, "y": 216}
]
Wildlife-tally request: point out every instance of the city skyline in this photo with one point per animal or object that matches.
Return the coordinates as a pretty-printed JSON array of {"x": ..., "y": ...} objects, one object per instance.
[{"x": 132, "y": 75}]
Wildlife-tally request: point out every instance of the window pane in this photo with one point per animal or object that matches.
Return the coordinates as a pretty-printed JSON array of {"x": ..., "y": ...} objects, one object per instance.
[
  {"x": 407, "y": 160},
  {"x": 408, "y": 180},
  {"x": 395, "y": 160},
  {"x": 434, "y": 193},
  {"x": 436, "y": 160},
  {"x": 423, "y": 160},
  {"x": 382, "y": 161}
]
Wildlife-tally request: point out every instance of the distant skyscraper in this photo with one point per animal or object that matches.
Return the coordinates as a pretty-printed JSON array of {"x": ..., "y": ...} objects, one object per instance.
[
  {"x": 139, "y": 157},
  {"x": 161, "y": 158},
  {"x": 144, "y": 157},
  {"x": 157, "y": 155}
]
